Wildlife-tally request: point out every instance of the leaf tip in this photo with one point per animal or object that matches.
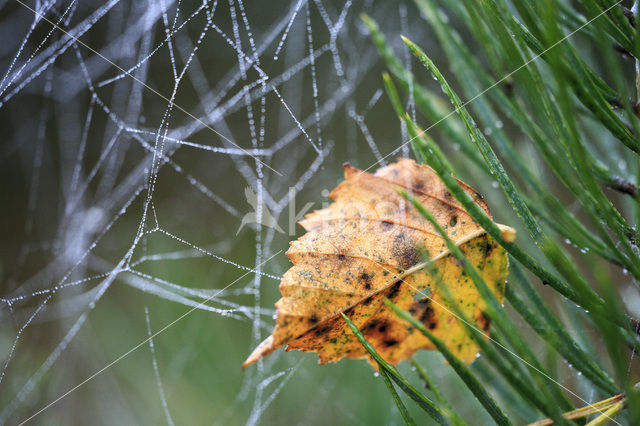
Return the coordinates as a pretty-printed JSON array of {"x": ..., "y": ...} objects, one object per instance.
[
  {"x": 264, "y": 348},
  {"x": 508, "y": 233},
  {"x": 411, "y": 45}
]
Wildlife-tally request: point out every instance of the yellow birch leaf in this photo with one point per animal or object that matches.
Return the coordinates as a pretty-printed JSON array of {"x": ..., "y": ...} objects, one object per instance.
[{"x": 365, "y": 247}]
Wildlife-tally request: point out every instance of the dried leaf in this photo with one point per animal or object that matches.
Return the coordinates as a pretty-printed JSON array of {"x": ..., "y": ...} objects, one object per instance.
[{"x": 365, "y": 247}]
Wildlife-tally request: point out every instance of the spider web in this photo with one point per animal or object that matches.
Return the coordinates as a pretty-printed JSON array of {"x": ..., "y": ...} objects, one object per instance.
[{"x": 134, "y": 128}]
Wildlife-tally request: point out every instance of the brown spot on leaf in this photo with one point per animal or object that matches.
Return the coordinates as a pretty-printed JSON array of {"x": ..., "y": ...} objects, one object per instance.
[
  {"x": 322, "y": 330},
  {"x": 370, "y": 325},
  {"x": 404, "y": 251},
  {"x": 366, "y": 280},
  {"x": 488, "y": 247},
  {"x": 428, "y": 315},
  {"x": 394, "y": 290},
  {"x": 483, "y": 322}
]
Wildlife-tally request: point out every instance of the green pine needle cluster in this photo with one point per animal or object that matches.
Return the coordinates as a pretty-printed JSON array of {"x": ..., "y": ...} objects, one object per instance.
[{"x": 540, "y": 97}]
